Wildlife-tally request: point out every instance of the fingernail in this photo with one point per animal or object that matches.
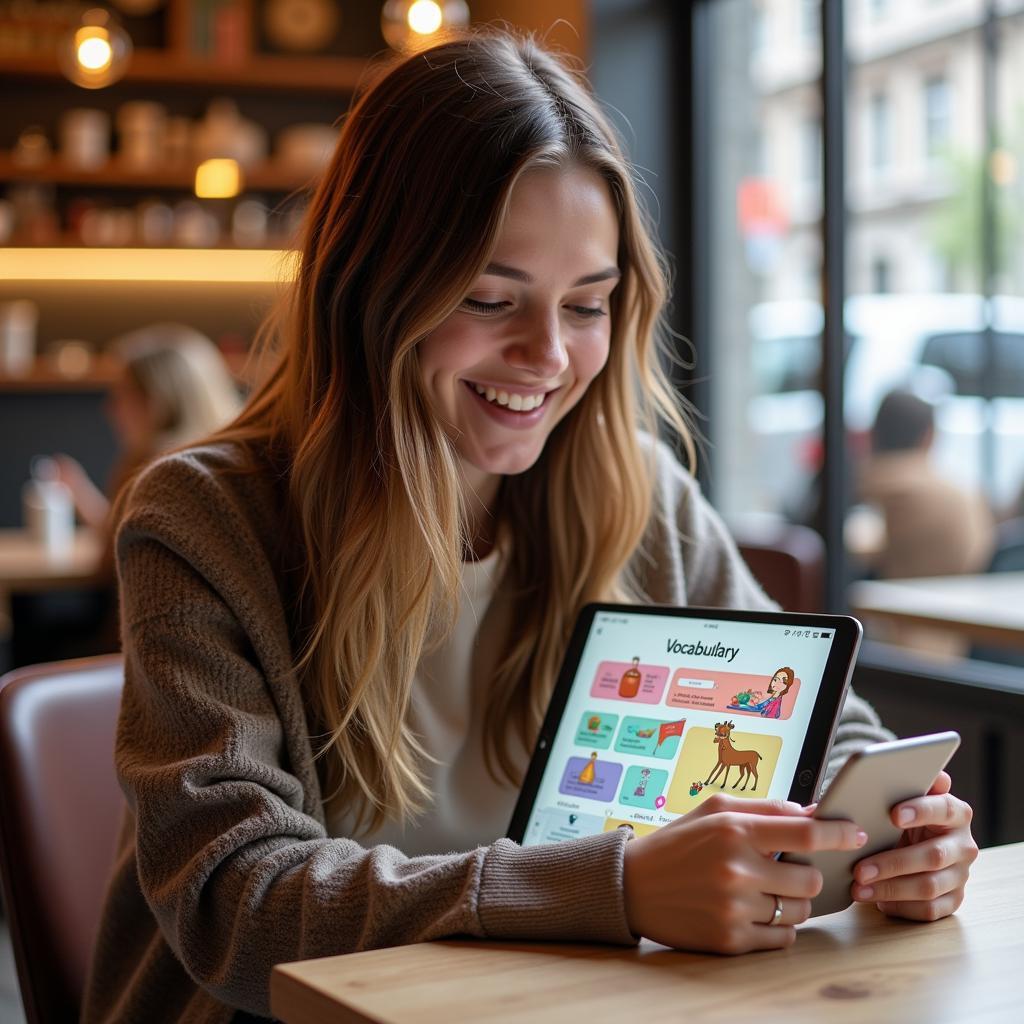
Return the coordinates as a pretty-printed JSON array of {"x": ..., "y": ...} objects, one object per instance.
[
  {"x": 867, "y": 873},
  {"x": 906, "y": 815},
  {"x": 865, "y": 892},
  {"x": 862, "y": 837}
]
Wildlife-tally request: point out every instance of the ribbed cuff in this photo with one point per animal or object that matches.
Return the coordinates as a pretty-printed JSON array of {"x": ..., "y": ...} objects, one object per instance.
[{"x": 569, "y": 891}]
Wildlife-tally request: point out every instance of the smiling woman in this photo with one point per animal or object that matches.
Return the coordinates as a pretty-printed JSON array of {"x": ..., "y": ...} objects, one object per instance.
[
  {"x": 343, "y": 614},
  {"x": 521, "y": 350}
]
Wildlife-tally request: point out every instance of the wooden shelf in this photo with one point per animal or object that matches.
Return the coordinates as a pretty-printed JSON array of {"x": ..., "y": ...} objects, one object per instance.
[
  {"x": 102, "y": 373},
  {"x": 271, "y": 177},
  {"x": 45, "y": 377},
  {"x": 332, "y": 75}
]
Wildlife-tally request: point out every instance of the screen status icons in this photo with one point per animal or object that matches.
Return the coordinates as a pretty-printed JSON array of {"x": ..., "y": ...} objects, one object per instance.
[{"x": 811, "y": 634}]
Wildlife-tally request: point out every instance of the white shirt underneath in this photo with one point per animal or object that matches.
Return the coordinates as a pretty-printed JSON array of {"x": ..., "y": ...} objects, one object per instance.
[{"x": 469, "y": 808}]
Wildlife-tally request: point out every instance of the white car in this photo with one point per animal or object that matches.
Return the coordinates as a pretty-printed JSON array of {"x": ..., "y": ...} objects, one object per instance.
[{"x": 933, "y": 344}]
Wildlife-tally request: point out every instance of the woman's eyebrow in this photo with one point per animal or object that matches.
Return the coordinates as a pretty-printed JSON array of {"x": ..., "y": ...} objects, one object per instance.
[{"x": 503, "y": 270}]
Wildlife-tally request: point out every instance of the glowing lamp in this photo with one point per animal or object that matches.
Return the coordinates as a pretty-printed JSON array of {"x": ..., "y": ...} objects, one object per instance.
[
  {"x": 97, "y": 51},
  {"x": 410, "y": 25},
  {"x": 218, "y": 179}
]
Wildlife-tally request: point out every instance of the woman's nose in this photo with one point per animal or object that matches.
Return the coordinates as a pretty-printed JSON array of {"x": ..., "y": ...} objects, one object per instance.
[{"x": 541, "y": 350}]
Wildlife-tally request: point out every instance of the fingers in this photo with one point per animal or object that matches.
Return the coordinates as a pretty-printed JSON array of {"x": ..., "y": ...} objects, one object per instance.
[
  {"x": 794, "y": 911},
  {"x": 802, "y": 835},
  {"x": 942, "y": 810},
  {"x": 932, "y": 854},
  {"x": 924, "y": 910},
  {"x": 720, "y": 803},
  {"x": 927, "y": 886},
  {"x": 942, "y": 784},
  {"x": 794, "y": 881}
]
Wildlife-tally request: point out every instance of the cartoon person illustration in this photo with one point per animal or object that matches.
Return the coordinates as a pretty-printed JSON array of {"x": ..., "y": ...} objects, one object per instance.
[
  {"x": 645, "y": 776},
  {"x": 629, "y": 684},
  {"x": 771, "y": 706},
  {"x": 586, "y": 777}
]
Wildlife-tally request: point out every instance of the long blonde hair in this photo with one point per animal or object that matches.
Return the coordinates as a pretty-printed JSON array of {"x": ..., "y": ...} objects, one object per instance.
[{"x": 400, "y": 226}]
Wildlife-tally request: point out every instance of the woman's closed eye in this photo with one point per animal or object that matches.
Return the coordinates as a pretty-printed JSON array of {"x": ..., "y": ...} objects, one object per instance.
[{"x": 491, "y": 308}]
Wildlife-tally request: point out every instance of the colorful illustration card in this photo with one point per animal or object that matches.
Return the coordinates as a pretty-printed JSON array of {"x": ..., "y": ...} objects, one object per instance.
[
  {"x": 722, "y": 760},
  {"x": 643, "y": 787},
  {"x": 590, "y": 778},
  {"x": 596, "y": 729},
  {"x": 630, "y": 681},
  {"x": 652, "y": 737},
  {"x": 768, "y": 696}
]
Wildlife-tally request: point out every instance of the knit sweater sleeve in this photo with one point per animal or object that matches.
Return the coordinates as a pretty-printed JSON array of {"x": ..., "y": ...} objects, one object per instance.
[
  {"x": 232, "y": 854},
  {"x": 715, "y": 575}
]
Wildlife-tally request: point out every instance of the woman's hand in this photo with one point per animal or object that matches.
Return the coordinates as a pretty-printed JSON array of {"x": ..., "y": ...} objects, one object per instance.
[
  {"x": 90, "y": 502},
  {"x": 923, "y": 877},
  {"x": 707, "y": 881}
]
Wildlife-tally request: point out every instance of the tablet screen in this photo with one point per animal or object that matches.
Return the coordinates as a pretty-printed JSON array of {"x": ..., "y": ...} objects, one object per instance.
[{"x": 664, "y": 711}]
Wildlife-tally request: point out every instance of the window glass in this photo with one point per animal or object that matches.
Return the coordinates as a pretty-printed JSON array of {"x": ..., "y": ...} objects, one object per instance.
[{"x": 764, "y": 349}]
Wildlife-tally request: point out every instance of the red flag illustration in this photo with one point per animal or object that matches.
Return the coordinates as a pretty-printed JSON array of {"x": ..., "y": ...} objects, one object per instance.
[{"x": 669, "y": 729}]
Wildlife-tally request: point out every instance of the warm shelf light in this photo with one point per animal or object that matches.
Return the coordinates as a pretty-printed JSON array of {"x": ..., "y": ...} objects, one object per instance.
[
  {"x": 410, "y": 25},
  {"x": 217, "y": 266},
  {"x": 96, "y": 53},
  {"x": 218, "y": 179},
  {"x": 424, "y": 17}
]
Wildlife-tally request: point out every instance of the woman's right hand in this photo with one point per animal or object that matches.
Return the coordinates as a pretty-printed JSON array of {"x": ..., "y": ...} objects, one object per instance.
[{"x": 706, "y": 881}]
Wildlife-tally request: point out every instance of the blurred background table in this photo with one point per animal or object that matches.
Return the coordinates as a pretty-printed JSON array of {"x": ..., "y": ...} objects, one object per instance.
[
  {"x": 854, "y": 966},
  {"x": 26, "y": 565},
  {"x": 983, "y": 609}
]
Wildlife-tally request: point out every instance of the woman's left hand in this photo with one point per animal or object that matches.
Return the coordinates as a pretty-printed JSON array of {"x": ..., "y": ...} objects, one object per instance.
[{"x": 923, "y": 877}]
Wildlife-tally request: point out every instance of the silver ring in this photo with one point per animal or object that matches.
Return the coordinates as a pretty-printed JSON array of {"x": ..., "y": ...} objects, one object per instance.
[{"x": 777, "y": 913}]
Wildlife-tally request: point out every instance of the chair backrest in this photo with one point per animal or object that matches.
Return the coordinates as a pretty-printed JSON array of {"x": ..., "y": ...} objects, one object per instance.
[
  {"x": 788, "y": 561},
  {"x": 1008, "y": 555},
  {"x": 60, "y": 808}
]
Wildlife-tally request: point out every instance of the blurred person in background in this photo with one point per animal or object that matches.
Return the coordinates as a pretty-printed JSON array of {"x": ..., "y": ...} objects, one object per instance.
[
  {"x": 173, "y": 388},
  {"x": 932, "y": 526}
]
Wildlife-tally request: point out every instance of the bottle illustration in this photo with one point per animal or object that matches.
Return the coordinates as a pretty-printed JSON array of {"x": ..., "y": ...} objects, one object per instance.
[
  {"x": 629, "y": 684},
  {"x": 589, "y": 769}
]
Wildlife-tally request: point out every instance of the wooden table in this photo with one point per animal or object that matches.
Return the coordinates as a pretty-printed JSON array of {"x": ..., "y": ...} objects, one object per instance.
[
  {"x": 986, "y": 609},
  {"x": 25, "y": 564},
  {"x": 856, "y": 966}
]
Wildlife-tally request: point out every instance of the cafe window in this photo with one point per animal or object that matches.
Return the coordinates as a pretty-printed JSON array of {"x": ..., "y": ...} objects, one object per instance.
[{"x": 933, "y": 284}]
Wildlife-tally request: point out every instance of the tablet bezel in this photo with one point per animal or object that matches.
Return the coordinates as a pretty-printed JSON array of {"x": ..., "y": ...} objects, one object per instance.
[{"x": 835, "y": 681}]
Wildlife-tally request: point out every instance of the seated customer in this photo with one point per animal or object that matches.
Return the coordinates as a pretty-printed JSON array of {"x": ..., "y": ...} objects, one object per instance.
[
  {"x": 173, "y": 387},
  {"x": 933, "y": 527}
]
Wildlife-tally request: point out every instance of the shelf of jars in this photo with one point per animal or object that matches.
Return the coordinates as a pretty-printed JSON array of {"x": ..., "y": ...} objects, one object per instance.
[
  {"x": 269, "y": 176},
  {"x": 315, "y": 73},
  {"x": 73, "y": 367}
]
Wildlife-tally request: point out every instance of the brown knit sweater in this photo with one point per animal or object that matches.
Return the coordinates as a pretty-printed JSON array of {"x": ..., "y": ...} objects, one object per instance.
[{"x": 225, "y": 867}]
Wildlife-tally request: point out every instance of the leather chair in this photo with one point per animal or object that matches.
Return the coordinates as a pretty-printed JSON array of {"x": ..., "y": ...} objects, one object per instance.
[
  {"x": 788, "y": 561},
  {"x": 60, "y": 809}
]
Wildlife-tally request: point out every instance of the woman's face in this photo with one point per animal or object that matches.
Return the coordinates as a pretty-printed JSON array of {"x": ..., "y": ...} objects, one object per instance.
[
  {"x": 778, "y": 683},
  {"x": 129, "y": 413},
  {"x": 534, "y": 329}
]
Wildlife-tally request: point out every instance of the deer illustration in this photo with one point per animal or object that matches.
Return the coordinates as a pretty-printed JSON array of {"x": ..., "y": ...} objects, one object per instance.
[{"x": 728, "y": 755}]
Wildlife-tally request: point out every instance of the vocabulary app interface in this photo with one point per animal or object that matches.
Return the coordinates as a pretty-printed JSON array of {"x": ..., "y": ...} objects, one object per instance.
[{"x": 664, "y": 711}]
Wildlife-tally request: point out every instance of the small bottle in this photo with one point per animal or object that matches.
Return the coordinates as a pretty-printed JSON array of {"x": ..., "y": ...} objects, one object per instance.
[
  {"x": 48, "y": 508},
  {"x": 629, "y": 684}
]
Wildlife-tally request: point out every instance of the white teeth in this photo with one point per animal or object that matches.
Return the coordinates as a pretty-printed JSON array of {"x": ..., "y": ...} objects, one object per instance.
[{"x": 517, "y": 403}]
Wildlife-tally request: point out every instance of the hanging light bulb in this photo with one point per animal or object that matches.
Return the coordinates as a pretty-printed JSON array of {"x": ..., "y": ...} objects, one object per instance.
[
  {"x": 414, "y": 24},
  {"x": 96, "y": 51}
]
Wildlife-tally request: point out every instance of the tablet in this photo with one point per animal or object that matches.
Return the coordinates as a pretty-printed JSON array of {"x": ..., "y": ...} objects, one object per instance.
[{"x": 656, "y": 708}]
